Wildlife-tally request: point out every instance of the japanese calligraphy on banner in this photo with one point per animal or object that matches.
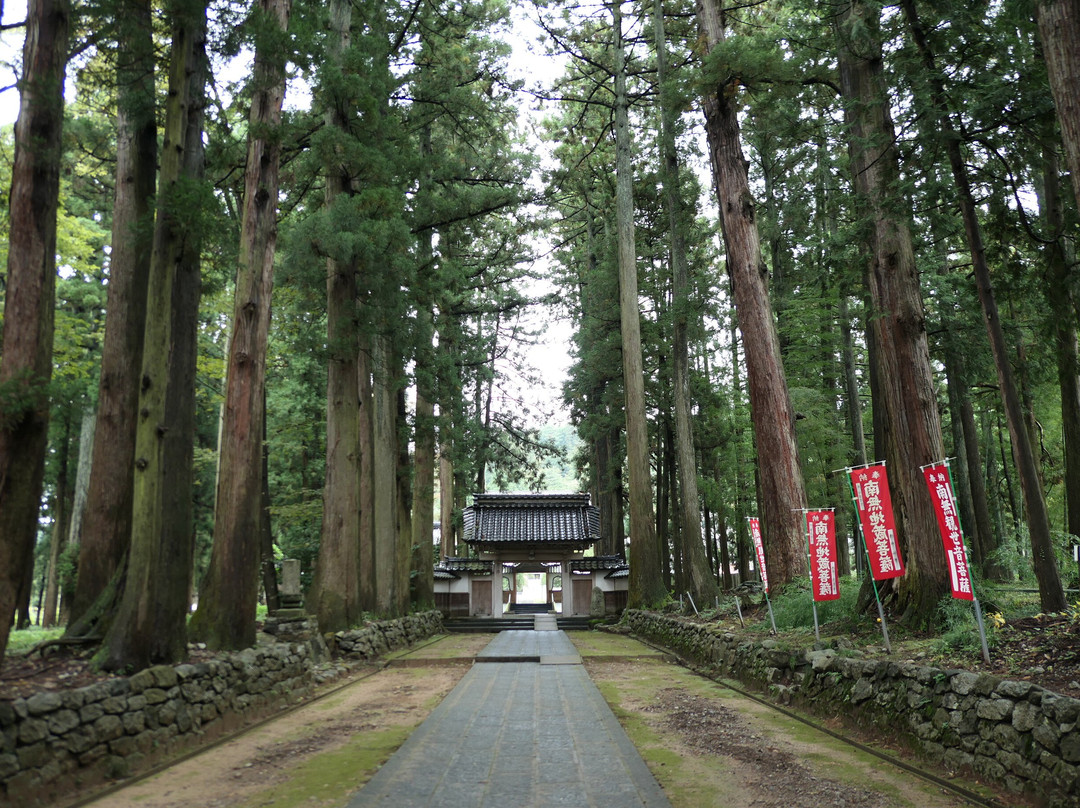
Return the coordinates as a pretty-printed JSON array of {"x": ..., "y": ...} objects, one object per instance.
[
  {"x": 821, "y": 530},
  {"x": 941, "y": 493},
  {"x": 759, "y": 549},
  {"x": 872, "y": 499}
]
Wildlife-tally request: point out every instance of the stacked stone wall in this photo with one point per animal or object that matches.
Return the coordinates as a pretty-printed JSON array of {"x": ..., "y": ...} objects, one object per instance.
[
  {"x": 55, "y": 743},
  {"x": 1016, "y": 734},
  {"x": 376, "y": 639}
]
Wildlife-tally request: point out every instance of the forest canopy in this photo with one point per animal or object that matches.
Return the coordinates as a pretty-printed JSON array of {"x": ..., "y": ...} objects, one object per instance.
[{"x": 275, "y": 277}]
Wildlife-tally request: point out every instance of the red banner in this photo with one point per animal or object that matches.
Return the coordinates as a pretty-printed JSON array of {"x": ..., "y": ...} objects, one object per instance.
[
  {"x": 821, "y": 530},
  {"x": 759, "y": 549},
  {"x": 872, "y": 499},
  {"x": 941, "y": 493}
]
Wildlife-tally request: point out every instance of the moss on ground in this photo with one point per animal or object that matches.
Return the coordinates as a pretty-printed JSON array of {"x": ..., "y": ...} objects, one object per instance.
[{"x": 328, "y": 778}]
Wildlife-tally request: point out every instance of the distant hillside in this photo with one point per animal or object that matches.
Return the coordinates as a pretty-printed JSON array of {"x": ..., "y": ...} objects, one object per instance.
[{"x": 559, "y": 473}]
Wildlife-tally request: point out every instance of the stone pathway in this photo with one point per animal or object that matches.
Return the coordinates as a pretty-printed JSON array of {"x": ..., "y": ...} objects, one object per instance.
[{"x": 526, "y": 726}]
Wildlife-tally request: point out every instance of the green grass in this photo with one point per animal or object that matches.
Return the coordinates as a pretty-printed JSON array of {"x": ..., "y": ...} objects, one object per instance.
[
  {"x": 328, "y": 778},
  {"x": 25, "y": 639}
]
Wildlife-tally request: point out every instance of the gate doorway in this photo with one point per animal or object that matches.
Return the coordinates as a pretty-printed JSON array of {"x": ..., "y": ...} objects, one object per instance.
[{"x": 532, "y": 587}]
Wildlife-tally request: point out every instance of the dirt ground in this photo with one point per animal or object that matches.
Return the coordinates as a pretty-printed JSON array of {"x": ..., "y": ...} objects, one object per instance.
[
  {"x": 326, "y": 749},
  {"x": 705, "y": 744}
]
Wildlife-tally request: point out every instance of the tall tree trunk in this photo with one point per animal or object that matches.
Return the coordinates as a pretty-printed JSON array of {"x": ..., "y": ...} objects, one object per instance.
[
  {"x": 106, "y": 532},
  {"x": 59, "y": 531},
  {"x": 663, "y": 521},
  {"x": 26, "y": 363},
  {"x": 446, "y": 496},
  {"x": 981, "y": 526},
  {"x": 782, "y": 492},
  {"x": 335, "y": 592},
  {"x": 646, "y": 586},
  {"x": 993, "y": 484},
  {"x": 911, "y": 422},
  {"x": 1062, "y": 305},
  {"x": 404, "y": 501},
  {"x": 366, "y": 522},
  {"x": 78, "y": 506},
  {"x": 151, "y": 623},
  {"x": 385, "y": 479},
  {"x": 225, "y": 618},
  {"x": 1051, "y": 593},
  {"x": 742, "y": 529},
  {"x": 1059, "y": 30},
  {"x": 699, "y": 574},
  {"x": 424, "y": 500},
  {"x": 423, "y": 517},
  {"x": 449, "y": 385},
  {"x": 268, "y": 568}
]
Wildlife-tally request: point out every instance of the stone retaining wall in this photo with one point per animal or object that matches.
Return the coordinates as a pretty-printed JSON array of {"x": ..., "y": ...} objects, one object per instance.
[
  {"x": 1014, "y": 733},
  {"x": 376, "y": 639},
  {"x": 55, "y": 743}
]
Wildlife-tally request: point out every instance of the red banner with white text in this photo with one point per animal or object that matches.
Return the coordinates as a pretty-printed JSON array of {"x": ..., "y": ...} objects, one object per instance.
[
  {"x": 821, "y": 530},
  {"x": 759, "y": 549},
  {"x": 871, "y": 486},
  {"x": 941, "y": 494}
]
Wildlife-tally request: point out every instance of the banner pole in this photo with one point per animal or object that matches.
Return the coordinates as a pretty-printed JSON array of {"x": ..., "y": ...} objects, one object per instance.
[
  {"x": 870, "y": 569},
  {"x": 974, "y": 598},
  {"x": 982, "y": 628},
  {"x": 738, "y": 608},
  {"x": 810, "y": 568},
  {"x": 759, "y": 556}
]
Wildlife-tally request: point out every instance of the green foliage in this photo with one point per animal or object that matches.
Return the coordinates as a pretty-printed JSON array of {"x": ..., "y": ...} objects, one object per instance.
[
  {"x": 959, "y": 630},
  {"x": 793, "y": 608},
  {"x": 435, "y": 152},
  {"x": 22, "y": 641}
]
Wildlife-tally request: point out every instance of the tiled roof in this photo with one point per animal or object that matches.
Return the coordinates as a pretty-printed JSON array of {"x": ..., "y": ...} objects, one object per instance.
[
  {"x": 473, "y": 565},
  {"x": 621, "y": 572},
  {"x": 608, "y": 562},
  {"x": 532, "y": 519}
]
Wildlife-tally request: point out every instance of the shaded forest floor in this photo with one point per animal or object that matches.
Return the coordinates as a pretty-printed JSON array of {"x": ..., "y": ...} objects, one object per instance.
[{"x": 1042, "y": 649}]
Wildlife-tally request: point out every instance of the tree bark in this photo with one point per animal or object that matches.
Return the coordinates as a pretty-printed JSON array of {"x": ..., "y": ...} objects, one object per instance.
[
  {"x": 151, "y": 624},
  {"x": 449, "y": 385},
  {"x": 699, "y": 573},
  {"x": 1059, "y": 30},
  {"x": 1051, "y": 593},
  {"x": 26, "y": 363},
  {"x": 910, "y": 420},
  {"x": 403, "y": 481},
  {"x": 782, "y": 492},
  {"x": 59, "y": 531},
  {"x": 646, "y": 586},
  {"x": 1061, "y": 302},
  {"x": 981, "y": 527},
  {"x": 424, "y": 500},
  {"x": 423, "y": 518},
  {"x": 225, "y": 618},
  {"x": 335, "y": 592},
  {"x": 446, "y": 495},
  {"x": 78, "y": 506},
  {"x": 107, "y": 525},
  {"x": 742, "y": 528},
  {"x": 367, "y": 478},
  {"x": 387, "y": 595},
  {"x": 268, "y": 567}
]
